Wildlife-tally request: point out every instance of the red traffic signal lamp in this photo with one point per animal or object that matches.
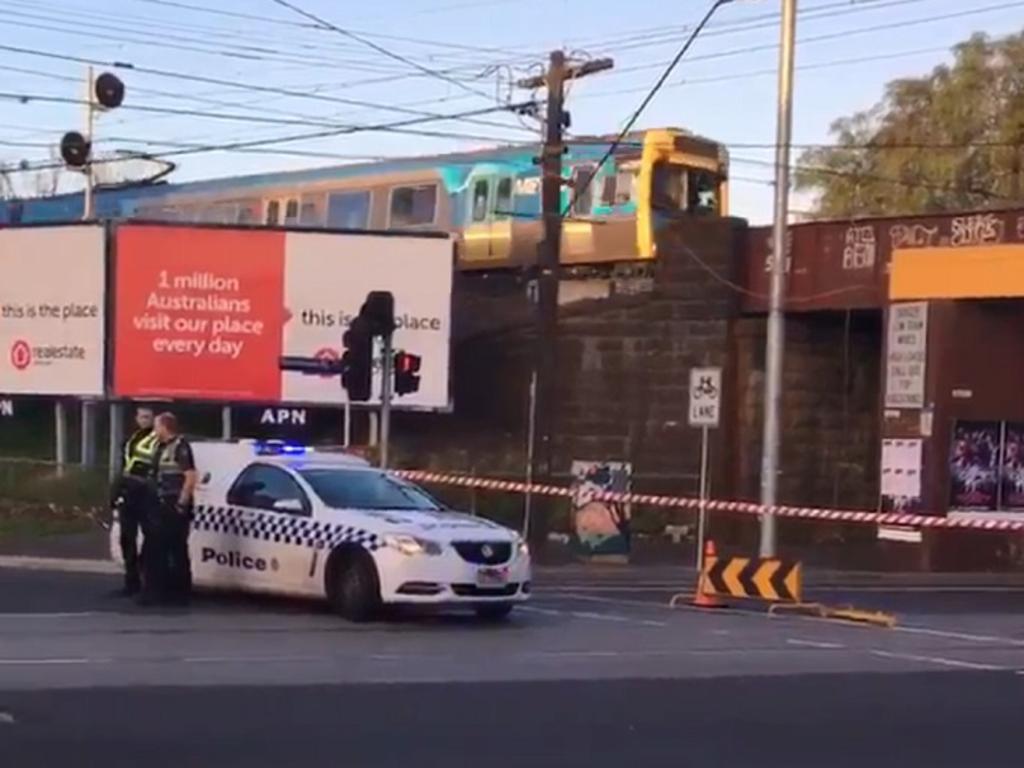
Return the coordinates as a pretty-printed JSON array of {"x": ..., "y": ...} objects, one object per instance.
[{"x": 407, "y": 373}]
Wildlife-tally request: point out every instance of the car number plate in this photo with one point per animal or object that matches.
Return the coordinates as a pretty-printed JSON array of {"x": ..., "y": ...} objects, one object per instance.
[{"x": 492, "y": 577}]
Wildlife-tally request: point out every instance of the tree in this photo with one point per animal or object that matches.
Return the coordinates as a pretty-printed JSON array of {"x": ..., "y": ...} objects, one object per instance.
[{"x": 951, "y": 140}]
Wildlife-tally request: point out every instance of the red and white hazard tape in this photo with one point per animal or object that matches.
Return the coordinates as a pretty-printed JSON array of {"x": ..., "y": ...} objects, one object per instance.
[{"x": 741, "y": 507}]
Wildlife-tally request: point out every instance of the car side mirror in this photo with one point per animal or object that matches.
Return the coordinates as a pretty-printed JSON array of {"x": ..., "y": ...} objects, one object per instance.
[{"x": 288, "y": 505}]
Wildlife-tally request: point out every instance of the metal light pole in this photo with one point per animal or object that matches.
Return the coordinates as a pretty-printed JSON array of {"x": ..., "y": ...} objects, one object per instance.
[
  {"x": 776, "y": 328},
  {"x": 90, "y": 118}
]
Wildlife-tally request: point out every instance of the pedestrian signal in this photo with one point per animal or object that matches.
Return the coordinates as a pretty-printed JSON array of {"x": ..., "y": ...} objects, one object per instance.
[{"x": 407, "y": 373}]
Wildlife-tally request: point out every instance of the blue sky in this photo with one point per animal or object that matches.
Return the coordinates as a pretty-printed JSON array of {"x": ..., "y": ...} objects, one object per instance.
[{"x": 724, "y": 88}]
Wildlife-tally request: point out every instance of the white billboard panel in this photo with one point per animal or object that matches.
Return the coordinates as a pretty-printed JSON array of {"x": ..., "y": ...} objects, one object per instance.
[
  {"x": 52, "y": 287},
  {"x": 327, "y": 277}
]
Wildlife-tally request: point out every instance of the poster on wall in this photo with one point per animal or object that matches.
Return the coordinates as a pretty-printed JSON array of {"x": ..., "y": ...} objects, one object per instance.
[
  {"x": 602, "y": 528},
  {"x": 906, "y": 355},
  {"x": 974, "y": 465},
  {"x": 901, "y": 475},
  {"x": 52, "y": 289},
  {"x": 206, "y": 313},
  {"x": 1012, "y": 477}
]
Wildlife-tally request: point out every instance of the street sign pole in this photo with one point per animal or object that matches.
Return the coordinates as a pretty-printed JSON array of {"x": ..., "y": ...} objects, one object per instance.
[
  {"x": 705, "y": 411},
  {"x": 702, "y": 516}
]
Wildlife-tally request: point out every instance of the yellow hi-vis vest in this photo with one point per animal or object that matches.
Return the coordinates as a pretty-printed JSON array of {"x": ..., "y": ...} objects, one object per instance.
[{"x": 140, "y": 454}]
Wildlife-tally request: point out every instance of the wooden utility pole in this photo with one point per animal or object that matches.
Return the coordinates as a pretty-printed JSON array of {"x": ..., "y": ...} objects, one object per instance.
[{"x": 549, "y": 252}]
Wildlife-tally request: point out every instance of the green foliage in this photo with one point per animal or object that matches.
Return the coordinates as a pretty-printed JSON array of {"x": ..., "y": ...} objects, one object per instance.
[{"x": 902, "y": 161}]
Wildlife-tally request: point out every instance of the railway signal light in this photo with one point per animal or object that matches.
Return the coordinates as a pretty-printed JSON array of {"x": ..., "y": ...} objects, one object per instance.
[
  {"x": 74, "y": 149},
  {"x": 357, "y": 361},
  {"x": 407, "y": 373},
  {"x": 105, "y": 92},
  {"x": 108, "y": 91}
]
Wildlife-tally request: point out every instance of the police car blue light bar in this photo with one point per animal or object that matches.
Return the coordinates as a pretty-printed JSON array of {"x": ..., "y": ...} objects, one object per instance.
[{"x": 280, "y": 448}]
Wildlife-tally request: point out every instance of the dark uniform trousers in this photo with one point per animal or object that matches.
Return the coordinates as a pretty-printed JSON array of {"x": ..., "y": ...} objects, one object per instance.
[
  {"x": 132, "y": 510},
  {"x": 166, "y": 561},
  {"x": 166, "y": 564}
]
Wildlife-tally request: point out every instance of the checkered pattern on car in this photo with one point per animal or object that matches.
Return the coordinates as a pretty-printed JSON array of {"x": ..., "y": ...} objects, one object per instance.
[{"x": 281, "y": 528}]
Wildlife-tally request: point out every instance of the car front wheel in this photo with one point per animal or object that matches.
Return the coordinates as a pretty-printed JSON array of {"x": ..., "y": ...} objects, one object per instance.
[{"x": 355, "y": 593}]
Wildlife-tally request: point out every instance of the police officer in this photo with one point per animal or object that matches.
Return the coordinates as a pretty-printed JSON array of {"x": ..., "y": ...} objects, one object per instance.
[
  {"x": 130, "y": 491},
  {"x": 166, "y": 561}
]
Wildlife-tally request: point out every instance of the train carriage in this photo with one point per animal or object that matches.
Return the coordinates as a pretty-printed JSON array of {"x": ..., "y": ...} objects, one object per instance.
[{"x": 489, "y": 198}]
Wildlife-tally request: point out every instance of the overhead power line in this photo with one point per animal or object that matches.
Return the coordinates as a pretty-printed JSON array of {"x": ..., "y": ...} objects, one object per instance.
[
  {"x": 393, "y": 127},
  {"x": 581, "y": 189},
  {"x": 218, "y": 81},
  {"x": 302, "y": 25},
  {"x": 833, "y": 35},
  {"x": 379, "y": 48},
  {"x": 800, "y": 167}
]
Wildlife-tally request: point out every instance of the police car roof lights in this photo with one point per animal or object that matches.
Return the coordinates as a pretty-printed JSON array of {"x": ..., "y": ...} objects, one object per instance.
[{"x": 280, "y": 448}]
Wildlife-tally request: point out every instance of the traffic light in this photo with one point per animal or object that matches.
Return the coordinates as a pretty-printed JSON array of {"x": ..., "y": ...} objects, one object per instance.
[
  {"x": 407, "y": 373},
  {"x": 357, "y": 361},
  {"x": 379, "y": 312}
]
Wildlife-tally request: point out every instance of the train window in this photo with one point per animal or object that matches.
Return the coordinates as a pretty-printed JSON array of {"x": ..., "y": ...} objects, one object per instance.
[
  {"x": 619, "y": 188},
  {"x": 480, "y": 194},
  {"x": 247, "y": 214},
  {"x": 583, "y": 190},
  {"x": 703, "y": 192},
  {"x": 348, "y": 210},
  {"x": 311, "y": 212},
  {"x": 273, "y": 209},
  {"x": 413, "y": 206},
  {"x": 503, "y": 205},
  {"x": 291, "y": 212},
  {"x": 668, "y": 191}
]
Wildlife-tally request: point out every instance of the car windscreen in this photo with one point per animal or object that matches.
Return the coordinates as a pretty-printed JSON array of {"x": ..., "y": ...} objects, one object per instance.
[{"x": 366, "y": 489}]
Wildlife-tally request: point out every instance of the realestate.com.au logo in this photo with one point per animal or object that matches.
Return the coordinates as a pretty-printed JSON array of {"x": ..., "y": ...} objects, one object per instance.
[{"x": 21, "y": 355}]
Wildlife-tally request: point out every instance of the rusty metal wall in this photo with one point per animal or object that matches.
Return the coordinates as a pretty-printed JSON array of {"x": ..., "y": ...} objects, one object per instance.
[{"x": 844, "y": 264}]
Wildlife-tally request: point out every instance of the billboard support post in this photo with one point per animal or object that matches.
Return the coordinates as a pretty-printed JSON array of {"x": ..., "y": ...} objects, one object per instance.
[
  {"x": 225, "y": 422},
  {"x": 116, "y": 420},
  {"x": 348, "y": 424},
  {"x": 87, "y": 454},
  {"x": 60, "y": 440},
  {"x": 385, "y": 401}
]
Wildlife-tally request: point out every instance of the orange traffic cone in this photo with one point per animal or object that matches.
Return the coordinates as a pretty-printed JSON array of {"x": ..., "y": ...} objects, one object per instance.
[{"x": 702, "y": 599}]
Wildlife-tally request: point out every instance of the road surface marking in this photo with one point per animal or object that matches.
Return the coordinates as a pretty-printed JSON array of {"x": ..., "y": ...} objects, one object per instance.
[
  {"x": 814, "y": 643},
  {"x": 959, "y": 635},
  {"x": 593, "y": 615},
  {"x": 6, "y": 718},
  {"x": 542, "y": 611},
  {"x": 54, "y": 615},
  {"x": 63, "y": 564},
  {"x": 243, "y": 659},
  {"x": 821, "y": 589},
  {"x": 598, "y": 616},
  {"x": 54, "y": 662},
  {"x": 941, "y": 661}
]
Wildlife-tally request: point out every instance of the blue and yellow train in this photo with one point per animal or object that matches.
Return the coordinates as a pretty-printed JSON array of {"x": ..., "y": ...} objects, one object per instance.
[{"x": 490, "y": 199}]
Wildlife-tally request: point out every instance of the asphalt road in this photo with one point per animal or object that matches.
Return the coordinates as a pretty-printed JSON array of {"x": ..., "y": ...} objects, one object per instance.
[{"x": 595, "y": 672}]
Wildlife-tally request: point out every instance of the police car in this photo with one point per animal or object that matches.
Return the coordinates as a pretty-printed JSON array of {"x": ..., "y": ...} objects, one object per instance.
[{"x": 279, "y": 518}]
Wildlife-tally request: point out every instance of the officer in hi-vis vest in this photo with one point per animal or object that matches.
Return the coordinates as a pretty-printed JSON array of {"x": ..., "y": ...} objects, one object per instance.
[
  {"x": 131, "y": 491},
  {"x": 165, "y": 561}
]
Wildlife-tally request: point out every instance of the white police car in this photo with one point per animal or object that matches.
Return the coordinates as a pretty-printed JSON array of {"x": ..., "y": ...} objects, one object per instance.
[{"x": 277, "y": 518}]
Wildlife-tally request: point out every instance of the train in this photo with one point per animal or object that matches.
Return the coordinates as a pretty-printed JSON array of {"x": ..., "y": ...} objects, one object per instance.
[{"x": 489, "y": 199}]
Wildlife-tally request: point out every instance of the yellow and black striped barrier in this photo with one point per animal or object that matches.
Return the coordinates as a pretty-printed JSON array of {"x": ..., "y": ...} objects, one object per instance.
[{"x": 757, "y": 578}]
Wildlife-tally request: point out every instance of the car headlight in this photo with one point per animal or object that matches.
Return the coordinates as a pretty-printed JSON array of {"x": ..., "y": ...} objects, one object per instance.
[
  {"x": 412, "y": 545},
  {"x": 522, "y": 547}
]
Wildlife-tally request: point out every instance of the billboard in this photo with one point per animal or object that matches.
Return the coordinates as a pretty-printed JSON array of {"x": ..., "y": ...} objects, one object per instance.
[
  {"x": 205, "y": 313},
  {"x": 52, "y": 288}
]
